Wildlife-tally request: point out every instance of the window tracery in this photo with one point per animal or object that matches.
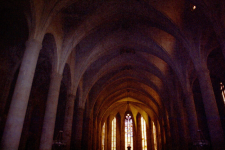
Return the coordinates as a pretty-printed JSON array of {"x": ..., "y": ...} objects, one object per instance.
[{"x": 128, "y": 131}]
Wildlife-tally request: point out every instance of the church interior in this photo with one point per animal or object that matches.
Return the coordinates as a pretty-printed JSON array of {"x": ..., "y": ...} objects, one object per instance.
[{"x": 112, "y": 74}]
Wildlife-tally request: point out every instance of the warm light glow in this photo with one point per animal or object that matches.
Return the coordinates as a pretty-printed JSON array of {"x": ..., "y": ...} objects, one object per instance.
[
  {"x": 154, "y": 136},
  {"x": 143, "y": 129},
  {"x": 113, "y": 134},
  {"x": 223, "y": 91},
  {"x": 194, "y": 7},
  {"x": 128, "y": 132},
  {"x": 103, "y": 136}
]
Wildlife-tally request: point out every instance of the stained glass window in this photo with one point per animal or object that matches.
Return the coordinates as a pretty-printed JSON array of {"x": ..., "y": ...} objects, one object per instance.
[
  {"x": 128, "y": 131},
  {"x": 154, "y": 136},
  {"x": 103, "y": 136},
  {"x": 113, "y": 145},
  {"x": 143, "y": 131},
  {"x": 223, "y": 91}
]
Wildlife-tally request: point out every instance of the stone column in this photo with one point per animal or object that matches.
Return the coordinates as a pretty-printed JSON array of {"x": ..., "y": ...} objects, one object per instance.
[
  {"x": 26, "y": 125},
  {"x": 86, "y": 133},
  {"x": 162, "y": 135},
  {"x": 50, "y": 112},
  {"x": 149, "y": 134},
  {"x": 18, "y": 107},
  {"x": 118, "y": 131},
  {"x": 180, "y": 116},
  {"x": 178, "y": 108},
  {"x": 90, "y": 133},
  {"x": 79, "y": 128},
  {"x": 68, "y": 121},
  {"x": 192, "y": 115},
  {"x": 106, "y": 133},
  {"x": 173, "y": 127},
  {"x": 211, "y": 110},
  {"x": 94, "y": 139},
  {"x": 98, "y": 134},
  {"x": 135, "y": 139},
  {"x": 159, "y": 142},
  {"x": 167, "y": 132},
  {"x": 109, "y": 131},
  {"x": 122, "y": 138},
  {"x": 139, "y": 134}
]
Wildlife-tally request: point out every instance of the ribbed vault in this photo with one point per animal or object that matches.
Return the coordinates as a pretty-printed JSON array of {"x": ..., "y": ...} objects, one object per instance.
[
  {"x": 105, "y": 58},
  {"x": 126, "y": 60}
]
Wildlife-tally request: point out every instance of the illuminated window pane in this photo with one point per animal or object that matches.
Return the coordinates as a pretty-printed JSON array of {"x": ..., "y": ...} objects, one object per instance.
[
  {"x": 154, "y": 136},
  {"x": 223, "y": 91},
  {"x": 143, "y": 130},
  {"x": 103, "y": 136},
  {"x": 113, "y": 134},
  {"x": 128, "y": 132}
]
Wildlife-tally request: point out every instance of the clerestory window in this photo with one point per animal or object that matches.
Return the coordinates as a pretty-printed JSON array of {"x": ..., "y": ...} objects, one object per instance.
[
  {"x": 103, "y": 136},
  {"x": 113, "y": 145},
  {"x": 128, "y": 131},
  {"x": 143, "y": 130},
  {"x": 223, "y": 91}
]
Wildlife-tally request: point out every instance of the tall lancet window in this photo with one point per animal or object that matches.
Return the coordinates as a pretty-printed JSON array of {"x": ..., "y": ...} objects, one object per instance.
[
  {"x": 143, "y": 130},
  {"x": 113, "y": 145},
  {"x": 103, "y": 136},
  {"x": 154, "y": 136},
  {"x": 128, "y": 131},
  {"x": 223, "y": 91}
]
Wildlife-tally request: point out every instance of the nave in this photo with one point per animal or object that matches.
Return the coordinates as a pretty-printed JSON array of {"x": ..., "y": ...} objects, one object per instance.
[{"x": 112, "y": 74}]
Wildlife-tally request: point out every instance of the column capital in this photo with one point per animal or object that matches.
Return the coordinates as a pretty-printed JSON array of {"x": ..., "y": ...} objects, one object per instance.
[
  {"x": 202, "y": 70},
  {"x": 81, "y": 104},
  {"x": 57, "y": 75},
  {"x": 34, "y": 42}
]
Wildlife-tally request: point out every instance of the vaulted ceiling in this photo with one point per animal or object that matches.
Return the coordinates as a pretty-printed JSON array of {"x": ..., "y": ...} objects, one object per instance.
[{"x": 122, "y": 55}]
